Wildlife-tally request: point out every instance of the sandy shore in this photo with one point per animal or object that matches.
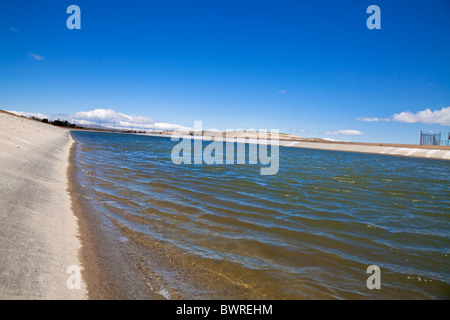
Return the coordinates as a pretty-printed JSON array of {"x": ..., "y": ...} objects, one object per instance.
[
  {"x": 39, "y": 236},
  {"x": 406, "y": 150},
  {"x": 442, "y": 153},
  {"x": 107, "y": 271}
]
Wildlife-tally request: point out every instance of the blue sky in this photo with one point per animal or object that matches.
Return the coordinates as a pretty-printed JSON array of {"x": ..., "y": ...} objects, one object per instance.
[{"x": 311, "y": 68}]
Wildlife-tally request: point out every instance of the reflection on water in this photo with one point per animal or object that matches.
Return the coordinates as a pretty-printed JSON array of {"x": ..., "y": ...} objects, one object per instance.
[{"x": 308, "y": 232}]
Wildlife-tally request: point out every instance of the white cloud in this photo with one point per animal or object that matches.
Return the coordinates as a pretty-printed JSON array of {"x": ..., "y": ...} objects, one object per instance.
[
  {"x": 346, "y": 132},
  {"x": 104, "y": 115},
  {"x": 28, "y": 114},
  {"x": 282, "y": 91},
  {"x": 302, "y": 131},
  {"x": 13, "y": 29},
  {"x": 426, "y": 116},
  {"x": 36, "y": 56},
  {"x": 110, "y": 118},
  {"x": 375, "y": 119}
]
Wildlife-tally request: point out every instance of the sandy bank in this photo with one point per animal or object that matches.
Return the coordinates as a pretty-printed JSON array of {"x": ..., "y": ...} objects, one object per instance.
[
  {"x": 393, "y": 150},
  {"x": 406, "y": 150},
  {"x": 39, "y": 236}
]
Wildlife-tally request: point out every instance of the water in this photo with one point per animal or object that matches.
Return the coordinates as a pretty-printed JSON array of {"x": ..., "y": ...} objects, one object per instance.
[{"x": 308, "y": 232}]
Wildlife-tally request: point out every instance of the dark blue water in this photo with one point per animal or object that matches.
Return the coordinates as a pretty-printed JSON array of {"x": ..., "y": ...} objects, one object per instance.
[{"x": 308, "y": 232}]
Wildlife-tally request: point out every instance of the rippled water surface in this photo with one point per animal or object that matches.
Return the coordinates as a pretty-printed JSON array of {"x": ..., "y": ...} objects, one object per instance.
[{"x": 308, "y": 232}]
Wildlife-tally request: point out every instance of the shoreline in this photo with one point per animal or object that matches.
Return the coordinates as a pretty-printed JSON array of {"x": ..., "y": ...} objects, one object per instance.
[
  {"x": 39, "y": 235},
  {"x": 393, "y": 149},
  {"x": 409, "y": 152},
  {"x": 404, "y": 150},
  {"x": 106, "y": 271},
  {"x": 48, "y": 224}
]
